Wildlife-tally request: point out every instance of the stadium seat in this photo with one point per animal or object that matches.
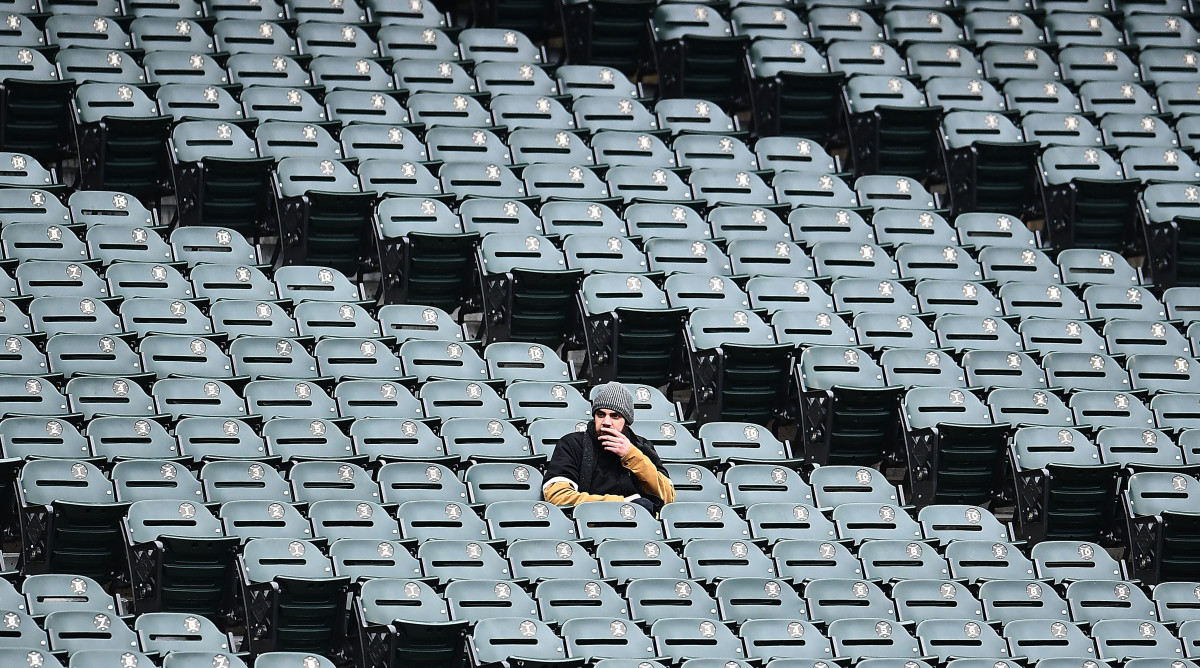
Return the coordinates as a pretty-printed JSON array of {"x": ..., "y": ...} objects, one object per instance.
[
  {"x": 963, "y": 443},
  {"x": 1077, "y": 182},
  {"x": 301, "y": 599},
  {"x": 975, "y": 560},
  {"x": 121, "y": 126},
  {"x": 891, "y": 125},
  {"x": 1005, "y": 601},
  {"x": 696, "y": 53},
  {"x": 1159, "y": 525},
  {"x": 1068, "y": 561},
  {"x": 406, "y": 622},
  {"x": 538, "y": 559},
  {"x": 625, "y": 561},
  {"x": 988, "y": 160},
  {"x": 492, "y": 639},
  {"x": 609, "y": 639}
]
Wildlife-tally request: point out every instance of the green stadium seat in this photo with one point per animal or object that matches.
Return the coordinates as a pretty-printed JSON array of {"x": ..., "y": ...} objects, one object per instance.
[
  {"x": 1046, "y": 640},
  {"x": 1005, "y": 601},
  {"x": 785, "y": 642},
  {"x": 301, "y": 601},
  {"x": 935, "y": 599},
  {"x": 891, "y": 125},
  {"x": 975, "y": 560},
  {"x": 696, "y": 53},
  {"x": 792, "y": 90},
  {"x": 230, "y": 480}
]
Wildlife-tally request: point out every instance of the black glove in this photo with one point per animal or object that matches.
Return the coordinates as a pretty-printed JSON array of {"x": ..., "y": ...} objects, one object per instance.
[{"x": 646, "y": 503}]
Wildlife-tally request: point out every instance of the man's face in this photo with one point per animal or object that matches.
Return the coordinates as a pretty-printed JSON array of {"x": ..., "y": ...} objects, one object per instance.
[{"x": 606, "y": 419}]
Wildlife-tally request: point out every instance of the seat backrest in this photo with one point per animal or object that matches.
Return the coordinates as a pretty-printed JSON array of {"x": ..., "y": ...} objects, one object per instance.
[
  {"x": 775, "y": 520},
  {"x": 712, "y": 559},
  {"x": 1175, "y": 601},
  {"x": 1005, "y": 265},
  {"x": 458, "y": 398},
  {"x": 236, "y": 480},
  {"x": 519, "y": 519},
  {"x": 318, "y": 480},
  {"x": 948, "y": 523},
  {"x": 1152, "y": 492},
  {"x": 612, "y": 520},
  {"x": 836, "y": 485},
  {"x": 489, "y": 482},
  {"x": 167, "y": 632},
  {"x": 41, "y": 437},
  {"x": 868, "y": 521},
  {"x": 1067, "y": 560},
  {"x": 1155, "y": 373},
  {"x": 935, "y": 599},
  {"x": 474, "y": 600},
  {"x": 926, "y": 407},
  {"x": 426, "y": 359},
  {"x": 1108, "y": 408},
  {"x": 545, "y": 399},
  {"x": 337, "y": 519},
  {"x": 362, "y": 106},
  {"x": 399, "y": 481},
  {"x": 52, "y": 592},
  {"x": 1093, "y": 600},
  {"x": 696, "y": 519},
  {"x": 1176, "y": 411},
  {"x": 562, "y": 600},
  {"x": 654, "y": 598},
  {"x": 1120, "y": 639},
  {"x": 147, "y": 520},
  {"x": 287, "y": 398},
  {"x": 844, "y": 259},
  {"x": 987, "y": 336},
  {"x": 806, "y": 328},
  {"x": 265, "y": 559},
  {"x": 882, "y": 330},
  {"x": 354, "y": 357},
  {"x": 74, "y": 630},
  {"x": 1005, "y": 601},
  {"x": 711, "y": 328},
  {"x": 1023, "y": 406},
  {"x": 149, "y": 479},
  {"x": 975, "y": 560},
  {"x": 909, "y": 367},
  {"x": 630, "y": 560},
  {"x": 750, "y": 484},
  {"x": 947, "y": 638},
  {"x": 1084, "y": 371},
  {"x": 248, "y": 519},
  {"x": 412, "y": 321},
  {"x": 1047, "y": 336},
  {"x": 785, "y": 641},
  {"x": 462, "y": 559},
  {"x": 695, "y": 483},
  {"x": 1117, "y": 302},
  {"x": 368, "y": 558},
  {"x": 832, "y": 599}
]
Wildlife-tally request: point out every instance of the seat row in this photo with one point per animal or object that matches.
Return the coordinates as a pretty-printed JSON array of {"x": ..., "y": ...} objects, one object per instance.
[
  {"x": 294, "y": 10},
  {"x": 851, "y": 638}
]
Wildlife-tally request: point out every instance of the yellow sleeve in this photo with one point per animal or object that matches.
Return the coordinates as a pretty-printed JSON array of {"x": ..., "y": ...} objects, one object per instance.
[
  {"x": 562, "y": 492},
  {"x": 650, "y": 479}
]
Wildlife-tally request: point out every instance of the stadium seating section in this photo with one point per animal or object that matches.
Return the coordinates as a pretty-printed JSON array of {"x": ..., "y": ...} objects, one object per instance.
[{"x": 297, "y": 297}]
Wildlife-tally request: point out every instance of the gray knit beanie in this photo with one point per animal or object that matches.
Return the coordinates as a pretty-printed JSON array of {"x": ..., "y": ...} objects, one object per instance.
[{"x": 614, "y": 397}]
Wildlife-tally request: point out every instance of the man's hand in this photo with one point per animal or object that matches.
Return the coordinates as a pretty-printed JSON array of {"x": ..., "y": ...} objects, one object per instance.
[{"x": 615, "y": 442}]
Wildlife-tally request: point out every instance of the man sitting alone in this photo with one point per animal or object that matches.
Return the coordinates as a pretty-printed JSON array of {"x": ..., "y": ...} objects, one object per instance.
[{"x": 608, "y": 462}]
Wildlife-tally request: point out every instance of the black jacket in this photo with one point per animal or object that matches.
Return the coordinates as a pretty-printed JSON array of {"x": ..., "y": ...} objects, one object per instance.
[{"x": 609, "y": 476}]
